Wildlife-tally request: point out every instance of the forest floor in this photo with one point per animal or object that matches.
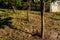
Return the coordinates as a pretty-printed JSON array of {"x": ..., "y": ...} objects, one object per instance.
[{"x": 14, "y": 26}]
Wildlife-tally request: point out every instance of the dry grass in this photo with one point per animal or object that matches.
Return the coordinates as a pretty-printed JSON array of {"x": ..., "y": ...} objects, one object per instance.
[{"x": 21, "y": 29}]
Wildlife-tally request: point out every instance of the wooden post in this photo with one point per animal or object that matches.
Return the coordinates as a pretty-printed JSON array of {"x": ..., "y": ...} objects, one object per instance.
[{"x": 42, "y": 19}]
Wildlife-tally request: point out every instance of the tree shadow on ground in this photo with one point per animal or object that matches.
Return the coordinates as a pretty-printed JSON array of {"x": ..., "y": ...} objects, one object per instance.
[
  {"x": 7, "y": 22},
  {"x": 2, "y": 10},
  {"x": 54, "y": 18}
]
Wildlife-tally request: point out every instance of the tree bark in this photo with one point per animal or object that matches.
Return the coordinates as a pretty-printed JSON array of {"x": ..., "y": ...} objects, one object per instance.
[
  {"x": 44, "y": 6},
  {"x": 42, "y": 19},
  {"x": 14, "y": 9},
  {"x": 29, "y": 7}
]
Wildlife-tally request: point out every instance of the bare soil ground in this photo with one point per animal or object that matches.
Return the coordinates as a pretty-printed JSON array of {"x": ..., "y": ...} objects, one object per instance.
[{"x": 20, "y": 29}]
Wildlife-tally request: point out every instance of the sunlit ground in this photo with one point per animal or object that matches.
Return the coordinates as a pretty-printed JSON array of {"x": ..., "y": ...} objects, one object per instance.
[{"x": 19, "y": 21}]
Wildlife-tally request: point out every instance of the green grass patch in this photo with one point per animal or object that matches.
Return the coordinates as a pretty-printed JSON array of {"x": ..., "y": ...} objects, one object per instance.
[
  {"x": 56, "y": 16},
  {"x": 9, "y": 12}
]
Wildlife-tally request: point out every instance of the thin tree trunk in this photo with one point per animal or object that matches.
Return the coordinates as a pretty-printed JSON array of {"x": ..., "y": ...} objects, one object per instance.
[
  {"x": 44, "y": 6},
  {"x": 28, "y": 11},
  {"x": 42, "y": 19},
  {"x": 13, "y": 7},
  {"x": 14, "y": 10}
]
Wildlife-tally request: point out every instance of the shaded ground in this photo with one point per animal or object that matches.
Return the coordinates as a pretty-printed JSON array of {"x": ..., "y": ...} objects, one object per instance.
[{"x": 16, "y": 27}]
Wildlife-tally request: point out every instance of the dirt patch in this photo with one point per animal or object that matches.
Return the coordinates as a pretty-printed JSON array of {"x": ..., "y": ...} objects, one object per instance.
[{"x": 22, "y": 30}]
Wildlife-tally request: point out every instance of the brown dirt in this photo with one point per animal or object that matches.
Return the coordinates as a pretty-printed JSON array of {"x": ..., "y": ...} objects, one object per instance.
[{"x": 22, "y": 29}]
